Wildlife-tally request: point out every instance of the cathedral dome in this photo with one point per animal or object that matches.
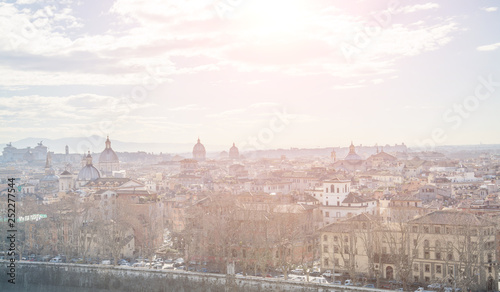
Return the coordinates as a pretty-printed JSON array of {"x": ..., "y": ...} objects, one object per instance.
[
  {"x": 199, "y": 151},
  {"x": 50, "y": 174},
  {"x": 233, "y": 152},
  {"x": 108, "y": 155},
  {"x": 352, "y": 154},
  {"x": 88, "y": 172}
]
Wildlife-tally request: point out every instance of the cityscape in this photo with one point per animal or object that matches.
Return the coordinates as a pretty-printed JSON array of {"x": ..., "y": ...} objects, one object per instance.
[
  {"x": 249, "y": 145},
  {"x": 382, "y": 216}
]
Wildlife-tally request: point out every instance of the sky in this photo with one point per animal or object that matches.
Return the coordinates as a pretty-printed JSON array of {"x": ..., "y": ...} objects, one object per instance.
[{"x": 261, "y": 74}]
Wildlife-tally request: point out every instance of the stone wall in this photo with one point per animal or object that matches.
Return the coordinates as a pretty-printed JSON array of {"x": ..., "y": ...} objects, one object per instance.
[{"x": 51, "y": 277}]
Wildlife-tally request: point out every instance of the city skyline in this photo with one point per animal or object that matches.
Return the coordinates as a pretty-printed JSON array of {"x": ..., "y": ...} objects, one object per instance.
[{"x": 288, "y": 74}]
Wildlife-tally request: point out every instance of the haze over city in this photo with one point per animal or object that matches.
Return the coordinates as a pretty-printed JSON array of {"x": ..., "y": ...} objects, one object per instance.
[{"x": 172, "y": 71}]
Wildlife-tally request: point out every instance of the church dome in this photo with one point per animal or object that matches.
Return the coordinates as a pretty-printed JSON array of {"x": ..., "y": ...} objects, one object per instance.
[
  {"x": 233, "y": 152},
  {"x": 50, "y": 174},
  {"x": 352, "y": 154},
  {"x": 199, "y": 151},
  {"x": 88, "y": 172},
  {"x": 108, "y": 155}
]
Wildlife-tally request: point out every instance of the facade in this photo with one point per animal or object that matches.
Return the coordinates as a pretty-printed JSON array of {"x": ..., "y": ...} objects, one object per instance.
[
  {"x": 11, "y": 153},
  {"x": 451, "y": 248},
  {"x": 455, "y": 248},
  {"x": 339, "y": 202}
]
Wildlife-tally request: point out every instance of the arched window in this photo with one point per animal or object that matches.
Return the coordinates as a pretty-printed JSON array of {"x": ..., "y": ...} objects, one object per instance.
[{"x": 426, "y": 243}]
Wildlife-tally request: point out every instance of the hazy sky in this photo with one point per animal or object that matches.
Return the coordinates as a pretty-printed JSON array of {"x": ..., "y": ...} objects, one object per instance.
[{"x": 275, "y": 73}]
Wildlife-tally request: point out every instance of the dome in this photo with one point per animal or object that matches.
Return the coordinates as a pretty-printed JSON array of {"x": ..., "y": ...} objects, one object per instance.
[
  {"x": 108, "y": 155},
  {"x": 352, "y": 154},
  {"x": 199, "y": 151},
  {"x": 88, "y": 172},
  {"x": 233, "y": 152}
]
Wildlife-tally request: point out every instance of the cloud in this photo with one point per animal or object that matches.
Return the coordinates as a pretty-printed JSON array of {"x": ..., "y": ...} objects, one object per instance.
[
  {"x": 419, "y": 7},
  {"x": 491, "y": 47},
  {"x": 490, "y": 9},
  {"x": 227, "y": 114},
  {"x": 188, "y": 107}
]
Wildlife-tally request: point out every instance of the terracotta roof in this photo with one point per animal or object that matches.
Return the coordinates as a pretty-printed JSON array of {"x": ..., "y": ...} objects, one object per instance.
[
  {"x": 449, "y": 217},
  {"x": 353, "y": 198}
]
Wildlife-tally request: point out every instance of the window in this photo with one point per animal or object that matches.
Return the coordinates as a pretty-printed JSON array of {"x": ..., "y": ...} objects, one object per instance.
[
  {"x": 437, "y": 229},
  {"x": 325, "y": 237},
  {"x": 438, "y": 255},
  {"x": 415, "y": 242},
  {"x": 426, "y": 243},
  {"x": 327, "y": 214},
  {"x": 450, "y": 256},
  {"x": 415, "y": 278},
  {"x": 427, "y": 255},
  {"x": 325, "y": 248},
  {"x": 415, "y": 267},
  {"x": 335, "y": 249},
  {"x": 384, "y": 250},
  {"x": 427, "y": 268},
  {"x": 346, "y": 239},
  {"x": 438, "y": 269},
  {"x": 414, "y": 229},
  {"x": 427, "y": 279},
  {"x": 448, "y": 230},
  {"x": 426, "y": 229},
  {"x": 346, "y": 250},
  {"x": 450, "y": 270},
  {"x": 336, "y": 262},
  {"x": 326, "y": 262},
  {"x": 335, "y": 238}
]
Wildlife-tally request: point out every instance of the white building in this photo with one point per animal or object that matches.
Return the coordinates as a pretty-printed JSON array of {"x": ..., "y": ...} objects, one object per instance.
[{"x": 339, "y": 202}]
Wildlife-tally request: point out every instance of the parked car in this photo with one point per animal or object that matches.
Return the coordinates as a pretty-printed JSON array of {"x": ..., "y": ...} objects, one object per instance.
[
  {"x": 56, "y": 260},
  {"x": 369, "y": 286},
  {"x": 348, "y": 283},
  {"x": 314, "y": 274},
  {"x": 106, "y": 262},
  {"x": 337, "y": 282},
  {"x": 327, "y": 274},
  {"x": 297, "y": 272},
  {"x": 421, "y": 289}
]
